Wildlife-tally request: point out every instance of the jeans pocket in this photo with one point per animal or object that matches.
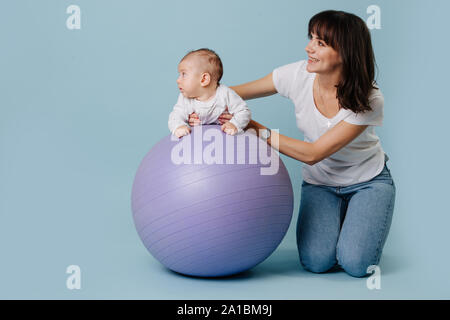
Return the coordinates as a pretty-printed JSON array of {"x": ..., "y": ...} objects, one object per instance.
[{"x": 384, "y": 176}]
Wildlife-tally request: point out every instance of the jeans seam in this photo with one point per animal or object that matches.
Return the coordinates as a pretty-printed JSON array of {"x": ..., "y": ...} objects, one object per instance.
[
  {"x": 340, "y": 228},
  {"x": 383, "y": 232}
]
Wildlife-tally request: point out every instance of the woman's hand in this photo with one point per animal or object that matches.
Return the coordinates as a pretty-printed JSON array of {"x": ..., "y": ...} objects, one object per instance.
[
  {"x": 225, "y": 116},
  {"x": 193, "y": 120}
]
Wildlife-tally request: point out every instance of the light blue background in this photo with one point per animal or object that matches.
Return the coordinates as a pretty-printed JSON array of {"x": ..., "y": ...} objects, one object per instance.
[{"x": 80, "y": 108}]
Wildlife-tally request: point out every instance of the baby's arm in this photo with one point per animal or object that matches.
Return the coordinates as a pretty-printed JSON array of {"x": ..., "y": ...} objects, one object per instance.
[
  {"x": 240, "y": 111},
  {"x": 179, "y": 116}
]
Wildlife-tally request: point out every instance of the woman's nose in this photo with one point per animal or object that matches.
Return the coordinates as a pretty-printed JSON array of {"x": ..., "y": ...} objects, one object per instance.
[{"x": 309, "y": 48}]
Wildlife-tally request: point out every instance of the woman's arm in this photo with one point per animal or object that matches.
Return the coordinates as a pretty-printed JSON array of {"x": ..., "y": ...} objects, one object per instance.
[
  {"x": 311, "y": 153},
  {"x": 256, "y": 89}
]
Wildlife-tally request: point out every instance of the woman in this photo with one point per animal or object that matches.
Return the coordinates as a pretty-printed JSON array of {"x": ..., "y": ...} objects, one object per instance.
[{"x": 348, "y": 194}]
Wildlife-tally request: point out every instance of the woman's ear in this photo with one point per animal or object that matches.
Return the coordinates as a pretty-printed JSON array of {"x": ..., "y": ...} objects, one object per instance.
[{"x": 206, "y": 79}]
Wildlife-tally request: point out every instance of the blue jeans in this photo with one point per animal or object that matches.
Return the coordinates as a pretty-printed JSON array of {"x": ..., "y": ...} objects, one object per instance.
[{"x": 345, "y": 226}]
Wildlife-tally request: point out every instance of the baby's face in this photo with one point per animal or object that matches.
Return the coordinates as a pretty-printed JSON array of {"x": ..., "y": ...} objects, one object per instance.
[{"x": 189, "y": 78}]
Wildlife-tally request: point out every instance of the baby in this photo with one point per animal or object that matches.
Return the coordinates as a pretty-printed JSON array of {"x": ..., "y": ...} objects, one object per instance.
[{"x": 200, "y": 91}]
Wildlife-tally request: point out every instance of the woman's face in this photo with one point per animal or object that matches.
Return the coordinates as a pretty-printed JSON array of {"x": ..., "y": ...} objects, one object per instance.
[{"x": 322, "y": 58}]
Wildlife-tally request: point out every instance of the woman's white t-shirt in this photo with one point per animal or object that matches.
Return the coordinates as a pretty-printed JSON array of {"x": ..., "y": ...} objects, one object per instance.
[{"x": 360, "y": 160}]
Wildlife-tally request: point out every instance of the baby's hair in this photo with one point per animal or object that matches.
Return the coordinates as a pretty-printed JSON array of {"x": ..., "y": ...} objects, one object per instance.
[{"x": 213, "y": 63}]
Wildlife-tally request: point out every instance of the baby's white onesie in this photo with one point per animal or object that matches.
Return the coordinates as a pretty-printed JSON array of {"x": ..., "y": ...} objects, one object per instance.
[{"x": 209, "y": 111}]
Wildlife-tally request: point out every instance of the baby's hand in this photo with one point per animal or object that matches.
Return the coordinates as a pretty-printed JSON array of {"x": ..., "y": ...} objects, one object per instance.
[
  {"x": 182, "y": 131},
  {"x": 229, "y": 128}
]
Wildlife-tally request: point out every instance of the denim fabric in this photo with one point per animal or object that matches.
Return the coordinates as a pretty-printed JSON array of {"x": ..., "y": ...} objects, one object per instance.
[{"x": 345, "y": 226}]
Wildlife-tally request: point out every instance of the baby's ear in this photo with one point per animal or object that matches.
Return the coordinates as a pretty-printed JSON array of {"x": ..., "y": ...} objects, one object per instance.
[{"x": 206, "y": 79}]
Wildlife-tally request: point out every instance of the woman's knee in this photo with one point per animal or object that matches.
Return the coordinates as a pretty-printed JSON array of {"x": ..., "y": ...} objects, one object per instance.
[
  {"x": 316, "y": 261},
  {"x": 354, "y": 263}
]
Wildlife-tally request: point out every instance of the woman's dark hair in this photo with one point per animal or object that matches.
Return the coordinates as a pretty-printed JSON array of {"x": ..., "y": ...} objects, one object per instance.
[{"x": 349, "y": 36}]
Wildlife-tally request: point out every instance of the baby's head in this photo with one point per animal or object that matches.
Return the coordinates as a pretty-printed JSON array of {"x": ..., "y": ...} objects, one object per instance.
[{"x": 199, "y": 71}]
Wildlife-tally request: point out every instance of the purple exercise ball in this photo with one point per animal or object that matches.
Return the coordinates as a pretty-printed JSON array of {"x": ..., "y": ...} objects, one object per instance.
[{"x": 214, "y": 214}]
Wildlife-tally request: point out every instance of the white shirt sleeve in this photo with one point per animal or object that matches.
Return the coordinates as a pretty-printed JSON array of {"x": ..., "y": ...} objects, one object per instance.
[
  {"x": 179, "y": 115},
  {"x": 238, "y": 108},
  {"x": 370, "y": 118},
  {"x": 284, "y": 77}
]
